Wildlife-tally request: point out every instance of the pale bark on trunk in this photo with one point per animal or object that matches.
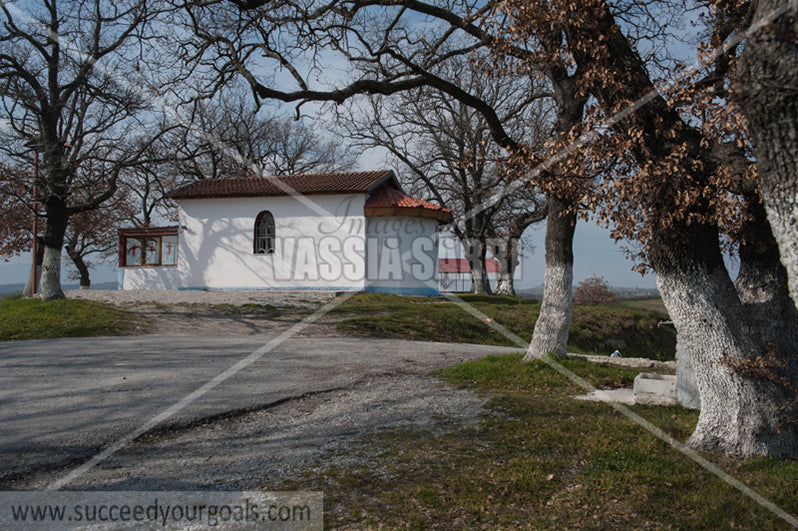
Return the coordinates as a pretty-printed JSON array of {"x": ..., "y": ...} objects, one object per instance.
[
  {"x": 506, "y": 253},
  {"x": 768, "y": 79},
  {"x": 51, "y": 275},
  {"x": 554, "y": 322},
  {"x": 54, "y": 232},
  {"x": 27, "y": 292},
  {"x": 475, "y": 251},
  {"x": 741, "y": 415},
  {"x": 745, "y": 410},
  {"x": 508, "y": 250}
]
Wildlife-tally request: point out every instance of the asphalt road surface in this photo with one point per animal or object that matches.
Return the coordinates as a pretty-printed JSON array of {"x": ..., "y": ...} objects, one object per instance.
[{"x": 62, "y": 401}]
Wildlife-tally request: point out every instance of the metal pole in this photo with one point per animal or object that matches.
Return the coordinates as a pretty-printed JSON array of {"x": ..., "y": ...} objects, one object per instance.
[{"x": 35, "y": 246}]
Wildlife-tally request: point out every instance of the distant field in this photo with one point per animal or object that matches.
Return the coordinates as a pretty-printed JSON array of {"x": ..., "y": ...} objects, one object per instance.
[{"x": 655, "y": 305}]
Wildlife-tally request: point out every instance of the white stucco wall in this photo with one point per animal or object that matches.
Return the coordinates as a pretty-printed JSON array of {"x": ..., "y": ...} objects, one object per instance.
[
  {"x": 402, "y": 255},
  {"x": 150, "y": 277},
  {"x": 319, "y": 243}
]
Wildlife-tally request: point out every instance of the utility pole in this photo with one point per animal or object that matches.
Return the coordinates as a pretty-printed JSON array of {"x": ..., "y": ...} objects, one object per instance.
[
  {"x": 35, "y": 144},
  {"x": 35, "y": 205}
]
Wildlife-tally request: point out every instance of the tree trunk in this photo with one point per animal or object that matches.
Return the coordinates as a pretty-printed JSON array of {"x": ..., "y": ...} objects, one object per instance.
[
  {"x": 51, "y": 275},
  {"x": 57, "y": 219},
  {"x": 745, "y": 409},
  {"x": 554, "y": 322},
  {"x": 763, "y": 288},
  {"x": 768, "y": 79},
  {"x": 80, "y": 265},
  {"x": 508, "y": 250},
  {"x": 506, "y": 253},
  {"x": 475, "y": 250}
]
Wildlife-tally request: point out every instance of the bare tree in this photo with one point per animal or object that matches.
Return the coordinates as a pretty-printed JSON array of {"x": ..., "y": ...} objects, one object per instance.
[
  {"x": 672, "y": 187},
  {"x": 508, "y": 231},
  {"x": 395, "y": 52},
  {"x": 60, "y": 63},
  {"x": 449, "y": 155},
  {"x": 231, "y": 136},
  {"x": 224, "y": 137},
  {"x": 91, "y": 236}
]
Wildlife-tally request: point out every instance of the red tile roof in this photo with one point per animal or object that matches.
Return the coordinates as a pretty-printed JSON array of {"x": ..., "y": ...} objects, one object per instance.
[
  {"x": 461, "y": 265},
  {"x": 308, "y": 184},
  {"x": 392, "y": 202}
]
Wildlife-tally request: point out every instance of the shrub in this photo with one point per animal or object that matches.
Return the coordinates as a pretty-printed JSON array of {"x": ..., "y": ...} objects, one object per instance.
[{"x": 593, "y": 290}]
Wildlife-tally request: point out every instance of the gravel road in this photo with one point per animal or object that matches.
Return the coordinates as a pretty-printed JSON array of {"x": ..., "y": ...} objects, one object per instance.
[
  {"x": 261, "y": 446},
  {"x": 305, "y": 413}
]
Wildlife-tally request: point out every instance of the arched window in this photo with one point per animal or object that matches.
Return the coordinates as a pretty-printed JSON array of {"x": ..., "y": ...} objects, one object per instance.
[{"x": 264, "y": 233}]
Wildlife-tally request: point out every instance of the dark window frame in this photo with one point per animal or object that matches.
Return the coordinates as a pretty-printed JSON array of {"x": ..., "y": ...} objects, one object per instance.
[{"x": 264, "y": 233}]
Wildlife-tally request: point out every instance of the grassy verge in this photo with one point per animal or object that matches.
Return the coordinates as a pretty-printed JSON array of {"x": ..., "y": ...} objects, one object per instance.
[
  {"x": 33, "y": 319},
  {"x": 542, "y": 460},
  {"x": 632, "y": 329}
]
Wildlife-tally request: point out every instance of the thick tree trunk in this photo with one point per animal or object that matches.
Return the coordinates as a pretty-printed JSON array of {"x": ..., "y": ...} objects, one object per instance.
[
  {"x": 51, "y": 275},
  {"x": 506, "y": 253},
  {"x": 745, "y": 409},
  {"x": 475, "y": 251},
  {"x": 554, "y": 322},
  {"x": 57, "y": 219},
  {"x": 80, "y": 265},
  {"x": 762, "y": 286},
  {"x": 768, "y": 79}
]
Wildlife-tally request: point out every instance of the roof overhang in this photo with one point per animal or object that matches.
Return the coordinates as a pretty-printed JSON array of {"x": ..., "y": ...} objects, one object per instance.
[
  {"x": 409, "y": 212},
  {"x": 148, "y": 231}
]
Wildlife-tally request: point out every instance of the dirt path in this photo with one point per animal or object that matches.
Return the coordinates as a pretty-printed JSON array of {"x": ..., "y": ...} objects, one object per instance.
[
  {"x": 222, "y": 313},
  {"x": 264, "y": 447}
]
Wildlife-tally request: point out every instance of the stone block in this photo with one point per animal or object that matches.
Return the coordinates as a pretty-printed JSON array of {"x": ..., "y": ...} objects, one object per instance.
[{"x": 655, "y": 389}]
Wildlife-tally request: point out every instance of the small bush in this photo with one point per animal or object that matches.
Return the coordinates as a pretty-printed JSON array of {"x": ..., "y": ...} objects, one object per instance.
[{"x": 593, "y": 290}]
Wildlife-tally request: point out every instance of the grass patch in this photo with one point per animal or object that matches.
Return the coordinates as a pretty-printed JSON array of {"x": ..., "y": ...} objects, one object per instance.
[
  {"x": 596, "y": 329},
  {"x": 34, "y": 319},
  {"x": 542, "y": 460}
]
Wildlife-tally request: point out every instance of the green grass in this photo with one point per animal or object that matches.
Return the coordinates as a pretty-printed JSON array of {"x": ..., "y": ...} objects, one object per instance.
[
  {"x": 33, "y": 319},
  {"x": 542, "y": 460},
  {"x": 596, "y": 329}
]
